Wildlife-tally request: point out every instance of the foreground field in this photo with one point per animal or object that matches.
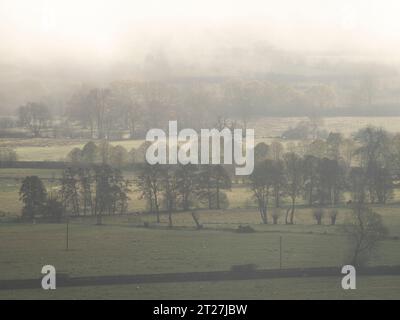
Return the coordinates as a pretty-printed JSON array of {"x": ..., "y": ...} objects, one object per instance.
[{"x": 118, "y": 247}]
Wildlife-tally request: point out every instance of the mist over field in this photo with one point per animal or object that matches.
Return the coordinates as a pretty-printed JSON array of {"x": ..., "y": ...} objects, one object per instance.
[
  {"x": 286, "y": 178},
  {"x": 51, "y": 48}
]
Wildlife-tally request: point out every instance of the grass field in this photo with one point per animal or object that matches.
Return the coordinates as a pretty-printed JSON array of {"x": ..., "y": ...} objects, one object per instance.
[
  {"x": 119, "y": 247},
  {"x": 123, "y": 246}
]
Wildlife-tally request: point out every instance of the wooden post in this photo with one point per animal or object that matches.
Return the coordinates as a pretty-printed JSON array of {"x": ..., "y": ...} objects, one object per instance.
[
  {"x": 280, "y": 252},
  {"x": 67, "y": 235}
]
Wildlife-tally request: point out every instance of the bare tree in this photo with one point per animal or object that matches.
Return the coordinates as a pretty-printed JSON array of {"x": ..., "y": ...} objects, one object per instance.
[
  {"x": 260, "y": 184},
  {"x": 187, "y": 176},
  {"x": 69, "y": 191},
  {"x": 294, "y": 181},
  {"x": 364, "y": 230},
  {"x": 170, "y": 191},
  {"x": 150, "y": 186},
  {"x": 276, "y": 150},
  {"x": 34, "y": 117},
  {"x": 213, "y": 179}
]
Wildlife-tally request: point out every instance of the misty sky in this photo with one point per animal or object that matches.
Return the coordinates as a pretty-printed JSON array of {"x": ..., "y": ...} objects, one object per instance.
[{"x": 104, "y": 31}]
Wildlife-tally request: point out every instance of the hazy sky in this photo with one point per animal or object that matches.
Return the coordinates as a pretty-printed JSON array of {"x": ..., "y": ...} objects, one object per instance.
[{"x": 105, "y": 31}]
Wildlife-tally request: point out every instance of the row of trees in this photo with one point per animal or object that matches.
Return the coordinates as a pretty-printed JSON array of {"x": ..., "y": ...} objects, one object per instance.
[
  {"x": 368, "y": 172},
  {"x": 101, "y": 189},
  {"x": 137, "y": 106},
  {"x": 129, "y": 108},
  {"x": 183, "y": 187},
  {"x": 98, "y": 190},
  {"x": 320, "y": 182}
]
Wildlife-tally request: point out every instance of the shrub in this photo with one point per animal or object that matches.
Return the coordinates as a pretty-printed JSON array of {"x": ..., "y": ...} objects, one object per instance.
[
  {"x": 245, "y": 229},
  {"x": 364, "y": 229},
  {"x": 119, "y": 156},
  {"x": 75, "y": 155},
  {"x": 54, "y": 209}
]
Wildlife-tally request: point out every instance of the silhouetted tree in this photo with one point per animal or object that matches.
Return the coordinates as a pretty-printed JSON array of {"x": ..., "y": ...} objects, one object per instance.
[
  {"x": 187, "y": 176},
  {"x": 34, "y": 195},
  {"x": 293, "y": 169},
  {"x": 34, "y": 117},
  {"x": 364, "y": 230},
  {"x": 310, "y": 177},
  {"x": 261, "y": 184},
  {"x": 213, "y": 179},
  {"x": 170, "y": 191},
  {"x": 149, "y": 185},
  {"x": 69, "y": 191},
  {"x": 89, "y": 152},
  {"x": 277, "y": 176},
  {"x": 54, "y": 208},
  {"x": 111, "y": 191}
]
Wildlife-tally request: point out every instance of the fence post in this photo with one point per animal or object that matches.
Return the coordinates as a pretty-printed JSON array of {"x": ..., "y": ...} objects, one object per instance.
[
  {"x": 67, "y": 235},
  {"x": 280, "y": 252}
]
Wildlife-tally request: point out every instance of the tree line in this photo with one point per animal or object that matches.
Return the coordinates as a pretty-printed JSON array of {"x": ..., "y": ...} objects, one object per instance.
[
  {"x": 98, "y": 190},
  {"x": 128, "y": 109},
  {"x": 101, "y": 189},
  {"x": 317, "y": 174}
]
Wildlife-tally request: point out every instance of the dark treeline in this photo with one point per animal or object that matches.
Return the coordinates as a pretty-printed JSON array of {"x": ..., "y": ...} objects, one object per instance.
[
  {"x": 318, "y": 174},
  {"x": 102, "y": 190},
  {"x": 98, "y": 190}
]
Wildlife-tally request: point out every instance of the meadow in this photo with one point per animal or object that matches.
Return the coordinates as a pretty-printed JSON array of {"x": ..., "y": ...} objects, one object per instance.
[
  {"x": 135, "y": 244},
  {"x": 122, "y": 246},
  {"x": 266, "y": 129}
]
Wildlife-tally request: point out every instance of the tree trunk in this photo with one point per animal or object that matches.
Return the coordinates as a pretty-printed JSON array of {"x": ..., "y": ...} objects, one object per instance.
[
  {"x": 157, "y": 208},
  {"x": 170, "y": 218},
  {"x": 287, "y": 216},
  {"x": 99, "y": 219},
  {"x": 292, "y": 212},
  {"x": 218, "y": 205}
]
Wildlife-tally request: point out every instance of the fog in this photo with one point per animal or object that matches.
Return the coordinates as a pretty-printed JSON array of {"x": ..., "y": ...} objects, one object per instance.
[{"x": 48, "y": 46}]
